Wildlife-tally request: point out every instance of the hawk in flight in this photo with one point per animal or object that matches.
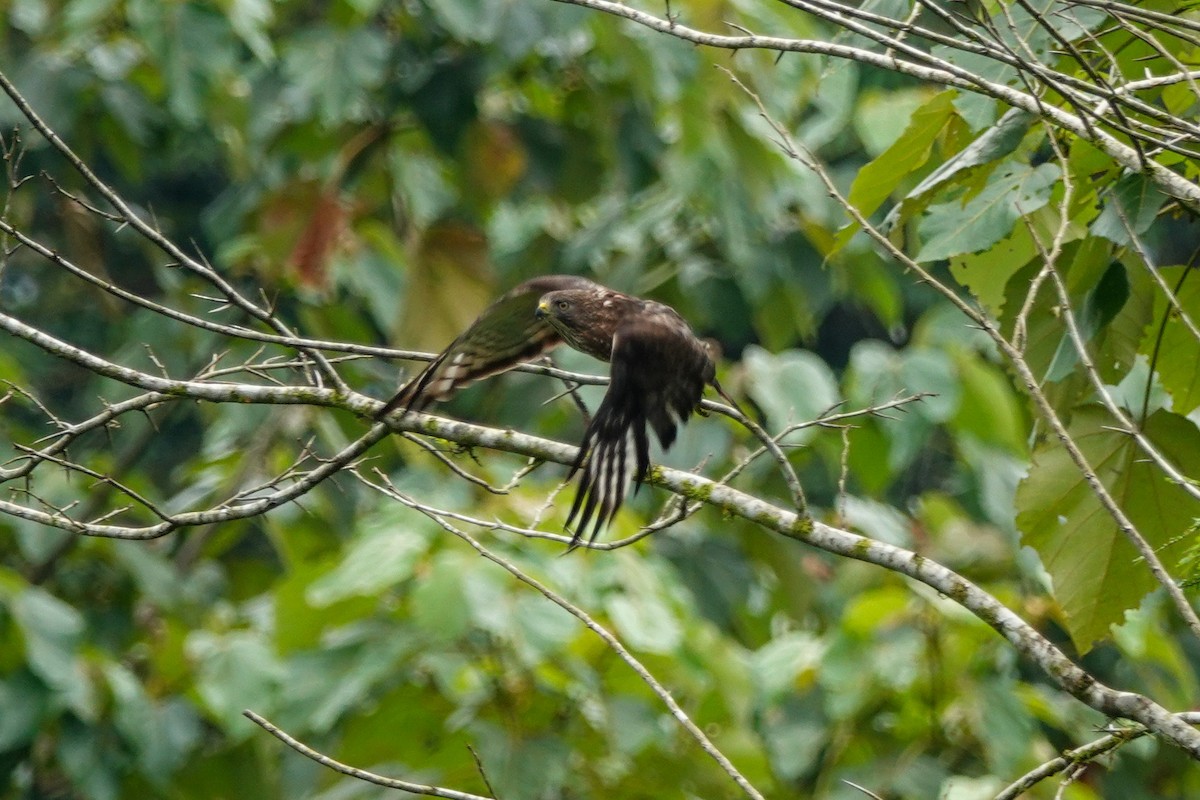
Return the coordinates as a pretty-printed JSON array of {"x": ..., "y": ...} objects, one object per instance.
[{"x": 659, "y": 370}]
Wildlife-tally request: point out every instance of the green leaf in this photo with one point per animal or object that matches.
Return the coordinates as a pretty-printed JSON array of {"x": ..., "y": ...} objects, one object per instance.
[
  {"x": 993, "y": 144},
  {"x": 777, "y": 665},
  {"x": 795, "y": 736},
  {"x": 199, "y": 48},
  {"x": 362, "y": 656},
  {"x": 468, "y": 20},
  {"x": 134, "y": 712},
  {"x": 792, "y": 386},
  {"x": 53, "y": 633},
  {"x": 998, "y": 474},
  {"x": 987, "y": 273},
  {"x": 86, "y": 758},
  {"x": 1133, "y": 203},
  {"x": 963, "y": 788},
  {"x": 379, "y": 559},
  {"x": 830, "y": 109},
  {"x": 1007, "y": 729},
  {"x": 332, "y": 70},
  {"x": 872, "y": 282},
  {"x": 29, "y": 16},
  {"x": 884, "y": 116},
  {"x": 641, "y": 613},
  {"x": 632, "y": 724},
  {"x": 1144, "y": 637},
  {"x": 1177, "y": 356},
  {"x": 952, "y": 228},
  {"x": 235, "y": 672},
  {"x": 544, "y": 628},
  {"x": 869, "y": 611},
  {"x": 1101, "y": 306},
  {"x": 424, "y": 180},
  {"x": 439, "y": 603},
  {"x": 989, "y": 409},
  {"x": 645, "y": 622},
  {"x": 877, "y": 520},
  {"x": 878, "y": 179},
  {"x": 250, "y": 20},
  {"x": 1088, "y": 258},
  {"x": 781, "y": 314},
  {"x": 83, "y": 15},
  {"x": 160, "y": 735},
  {"x": 878, "y": 372},
  {"x": 25, "y": 701},
  {"x": 1096, "y": 571},
  {"x": 924, "y": 369},
  {"x": 156, "y": 577},
  {"x": 525, "y": 769},
  {"x": 1121, "y": 337}
]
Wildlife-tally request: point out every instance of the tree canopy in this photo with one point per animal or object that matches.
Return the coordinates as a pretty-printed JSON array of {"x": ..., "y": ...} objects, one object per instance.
[{"x": 946, "y": 250}]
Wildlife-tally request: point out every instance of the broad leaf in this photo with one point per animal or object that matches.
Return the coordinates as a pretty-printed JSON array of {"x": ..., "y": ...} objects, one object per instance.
[
  {"x": 25, "y": 701},
  {"x": 439, "y": 604},
  {"x": 641, "y": 613},
  {"x": 878, "y": 179},
  {"x": 952, "y": 228},
  {"x": 987, "y": 273},
  {"x": 53, "y": 630},
  {"x": 234, "y": 672},
  {"x": 992, "y": 145},
  {"x": 1097, "y": 573},
  {"x": 1131, "y": 206},
  {"x": 792, "y": 386},
  {"x": 377, "y": 561},
  {"x": 1177, "y": 355},
  {"x": 988, "y": 409},
  {"x": 1102, "y": 304}
]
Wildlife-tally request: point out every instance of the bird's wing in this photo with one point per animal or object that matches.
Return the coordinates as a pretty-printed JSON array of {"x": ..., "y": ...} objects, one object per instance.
[
  {"x": 505, "y": 334},
  {"x": 659, "y": 369}
]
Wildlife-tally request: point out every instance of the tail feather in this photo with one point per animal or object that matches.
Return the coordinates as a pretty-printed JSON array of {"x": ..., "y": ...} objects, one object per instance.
[{"x": 608, "y": 469}]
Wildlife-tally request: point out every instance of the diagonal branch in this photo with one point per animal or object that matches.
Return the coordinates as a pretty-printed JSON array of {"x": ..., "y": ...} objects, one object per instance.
[
  {"x": 1168, "y": 181},
  {"x": 354, "y": 772},
  {"x": 1081, "y": 755},
  {"x": 591, "y": 624},
  {"x": 1014, "y": 356},
  {"x": 156, "y": 237},
  {"x": 1023, "y": 637}
]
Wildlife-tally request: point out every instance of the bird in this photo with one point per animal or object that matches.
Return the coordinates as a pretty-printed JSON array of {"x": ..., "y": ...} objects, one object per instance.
[{"x": 659, "y": 368}]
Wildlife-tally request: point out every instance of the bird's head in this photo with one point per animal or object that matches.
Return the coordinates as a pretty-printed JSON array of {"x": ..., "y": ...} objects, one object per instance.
[
  {"x": 571, "y": 313},
  {"x": 557, "y": 307}
]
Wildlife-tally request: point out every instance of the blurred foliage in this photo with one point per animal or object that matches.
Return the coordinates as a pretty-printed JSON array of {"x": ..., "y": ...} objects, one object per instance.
[{"x": 381, "y": 169}]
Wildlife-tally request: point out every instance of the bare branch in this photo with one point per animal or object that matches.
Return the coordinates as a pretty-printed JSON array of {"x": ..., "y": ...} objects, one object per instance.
[
  {"x": 153, "y": 235},
  {"x": 928, "y": 69},
  {"x": 1015, "y": 358},
  {"x": 607, "y": 636},
  {"x": 1083, "y": 755},
  {"x": 355, "y": 772}
]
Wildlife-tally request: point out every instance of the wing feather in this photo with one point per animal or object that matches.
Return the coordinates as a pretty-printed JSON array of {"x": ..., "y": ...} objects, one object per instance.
[
  {"x": 658, "y": 366},
  {"x": 507, "y": 333}
]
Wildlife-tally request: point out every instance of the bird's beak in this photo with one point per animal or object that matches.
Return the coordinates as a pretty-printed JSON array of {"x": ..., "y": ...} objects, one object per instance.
[{"x": 543, "y": 310}]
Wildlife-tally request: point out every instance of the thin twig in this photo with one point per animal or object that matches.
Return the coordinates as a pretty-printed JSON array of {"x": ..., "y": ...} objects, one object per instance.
[
  {"x": 355, "y": 772},
  {"x": 591, "y": 624}
]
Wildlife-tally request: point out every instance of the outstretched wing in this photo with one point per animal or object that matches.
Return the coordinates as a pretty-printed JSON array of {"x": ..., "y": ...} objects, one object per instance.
[
  {"x": 505, "y": 334},
  {"x": 659, "y": 369}
]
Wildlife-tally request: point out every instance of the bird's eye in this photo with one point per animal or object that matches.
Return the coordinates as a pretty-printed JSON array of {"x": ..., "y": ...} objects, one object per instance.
[{"x": 563, "y": 305}]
